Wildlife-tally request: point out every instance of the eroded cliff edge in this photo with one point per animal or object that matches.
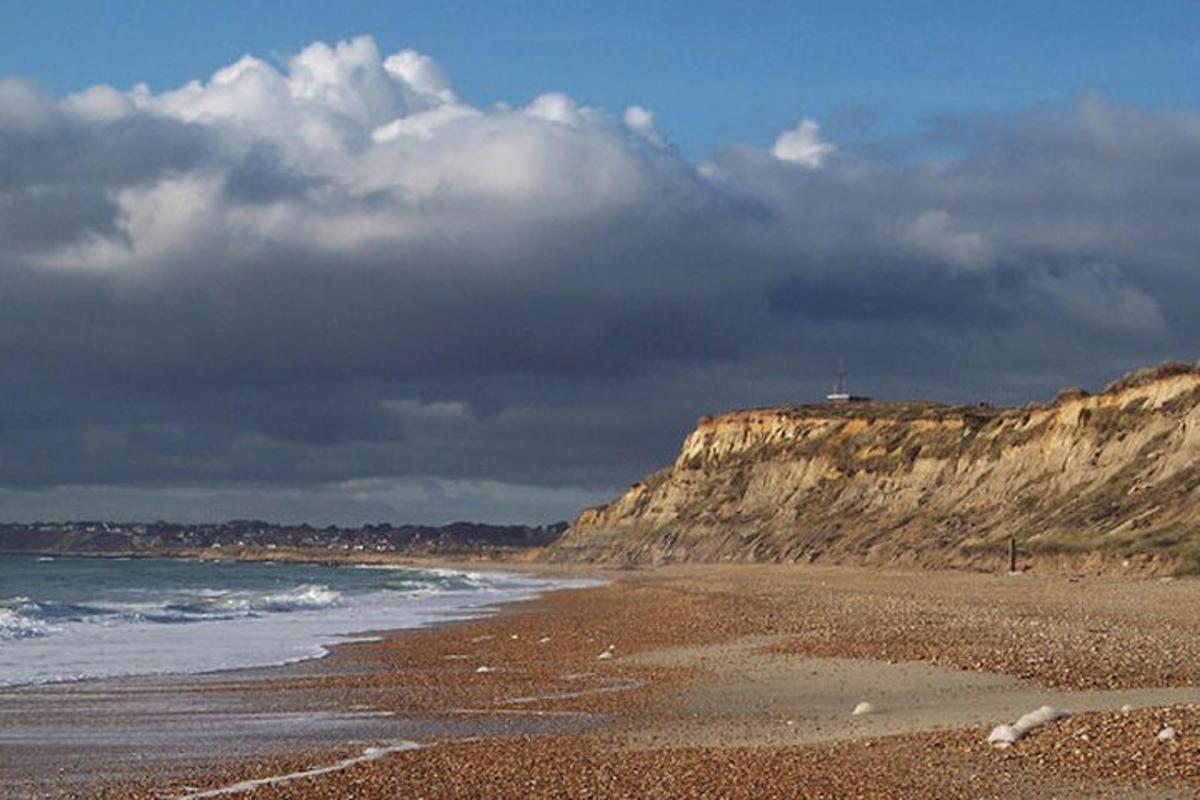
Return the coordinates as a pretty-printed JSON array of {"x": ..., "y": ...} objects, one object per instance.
[{"x": 1111, "y": 479}]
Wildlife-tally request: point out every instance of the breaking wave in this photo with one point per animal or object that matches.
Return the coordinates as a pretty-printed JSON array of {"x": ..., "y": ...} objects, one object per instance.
[
  {"x": 15, "y": 623},
  {"x": 225, "y": 604},
  {"x": 21, "y": 618},
  {"x": 78, "y": 618}
]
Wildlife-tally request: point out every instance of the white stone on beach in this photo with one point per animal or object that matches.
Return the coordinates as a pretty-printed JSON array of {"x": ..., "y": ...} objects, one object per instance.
[
  {"x": 1006, "y": 735},
  {"x": 863, "y": 708},
  {"x": 485, "y": 669},
  {"x": 1166, "y": 734},
  {"x": 607, "y": 654},
  {"x": 1002, "y": 736}
]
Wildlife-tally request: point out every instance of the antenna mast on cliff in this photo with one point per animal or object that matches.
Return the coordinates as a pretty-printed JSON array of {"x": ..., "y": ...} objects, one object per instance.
[{"x": 840, "y": 395}]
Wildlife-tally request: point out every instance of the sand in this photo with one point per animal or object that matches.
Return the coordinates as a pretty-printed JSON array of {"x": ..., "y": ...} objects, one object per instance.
[
  {"x": 752, "y": 696},
  {"x": 732, "y": 681}
]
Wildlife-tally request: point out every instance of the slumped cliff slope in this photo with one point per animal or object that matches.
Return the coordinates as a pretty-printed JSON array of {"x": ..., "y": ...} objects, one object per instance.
[{"x": 1113, "y": 479}]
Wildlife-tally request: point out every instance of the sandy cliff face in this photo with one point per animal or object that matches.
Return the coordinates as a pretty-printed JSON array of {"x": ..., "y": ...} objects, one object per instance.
[{"x": 1115, "y": 476}]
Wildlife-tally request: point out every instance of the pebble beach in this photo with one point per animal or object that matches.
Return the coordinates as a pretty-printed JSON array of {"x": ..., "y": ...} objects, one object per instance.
[{"x": 730, "y": 681}]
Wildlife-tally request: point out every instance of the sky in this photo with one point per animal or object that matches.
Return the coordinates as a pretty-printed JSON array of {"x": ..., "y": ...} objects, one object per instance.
[{"x": 420, "y": 262}]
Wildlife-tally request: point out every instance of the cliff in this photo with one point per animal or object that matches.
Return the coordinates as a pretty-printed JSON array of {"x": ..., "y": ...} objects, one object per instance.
[{"x": 1110, "y": 480}]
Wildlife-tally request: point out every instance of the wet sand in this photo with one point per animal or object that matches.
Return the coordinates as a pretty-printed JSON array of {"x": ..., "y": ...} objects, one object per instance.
[{"x": 696, "y": 681}]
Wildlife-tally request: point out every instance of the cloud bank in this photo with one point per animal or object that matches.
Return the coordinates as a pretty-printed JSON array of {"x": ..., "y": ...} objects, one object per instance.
[{"x": 335, "y": 272}]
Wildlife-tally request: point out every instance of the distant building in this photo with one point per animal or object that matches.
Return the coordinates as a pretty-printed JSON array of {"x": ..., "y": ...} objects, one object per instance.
[{"x": 839, "y": 393}]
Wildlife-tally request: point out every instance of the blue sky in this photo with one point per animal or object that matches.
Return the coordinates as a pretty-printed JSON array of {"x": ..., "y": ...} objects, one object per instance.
[{"x": 714, "y": 74}]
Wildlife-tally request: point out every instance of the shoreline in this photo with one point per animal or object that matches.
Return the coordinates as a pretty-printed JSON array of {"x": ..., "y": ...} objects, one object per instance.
[
  {"x": 321, "y": 708},
  {"x": 632, "y": 724},
  {"x": 1047, "y": 562},
  {"x": 515, "y": 585}
]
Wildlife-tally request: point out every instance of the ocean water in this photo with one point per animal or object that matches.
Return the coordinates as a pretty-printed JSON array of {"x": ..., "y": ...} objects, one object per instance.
[{"x": 66, "y": 618}]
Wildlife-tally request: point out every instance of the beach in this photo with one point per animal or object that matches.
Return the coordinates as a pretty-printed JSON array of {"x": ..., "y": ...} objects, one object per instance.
[{"x": 686, "y": 681}]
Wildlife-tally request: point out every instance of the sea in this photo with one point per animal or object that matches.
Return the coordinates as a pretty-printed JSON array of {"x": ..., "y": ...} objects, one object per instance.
[{"x": 65, "y": 618}]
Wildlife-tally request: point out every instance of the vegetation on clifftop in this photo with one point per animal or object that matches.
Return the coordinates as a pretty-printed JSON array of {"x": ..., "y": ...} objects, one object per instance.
[{"x": 1111, "y": 479}]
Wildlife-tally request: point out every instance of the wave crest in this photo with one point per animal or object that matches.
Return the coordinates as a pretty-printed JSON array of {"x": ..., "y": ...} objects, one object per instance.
[
  {"x": 15, "y": 625},
  {"x": 307, "y": 597}
]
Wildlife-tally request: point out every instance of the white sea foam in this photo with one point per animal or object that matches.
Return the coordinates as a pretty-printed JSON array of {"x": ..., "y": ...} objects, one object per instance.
[
  {"x": 370, "y": 754},
  {"x": 14, "y": 625},
  {"x": 301, "y": 598},
  {"x": 167, "y": 630}
]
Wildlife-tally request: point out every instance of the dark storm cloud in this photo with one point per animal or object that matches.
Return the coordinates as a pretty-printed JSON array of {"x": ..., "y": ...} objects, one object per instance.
[
  {"x": 342, "y": 278},
  {"x": 58, "y": 168}
]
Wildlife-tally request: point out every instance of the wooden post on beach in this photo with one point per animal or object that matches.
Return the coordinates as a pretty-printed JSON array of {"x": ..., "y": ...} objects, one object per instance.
[{"x": 1012, "y": 554}]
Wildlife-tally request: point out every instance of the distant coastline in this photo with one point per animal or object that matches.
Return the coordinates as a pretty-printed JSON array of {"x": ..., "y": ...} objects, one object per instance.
[{"x": 252, "y": 540}]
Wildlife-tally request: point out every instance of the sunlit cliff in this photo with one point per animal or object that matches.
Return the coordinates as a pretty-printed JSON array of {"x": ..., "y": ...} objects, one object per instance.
[{"x": 1110, "y": 481}]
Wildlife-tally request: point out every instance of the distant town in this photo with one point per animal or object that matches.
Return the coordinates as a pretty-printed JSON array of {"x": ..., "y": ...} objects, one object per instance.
[{"x": 242, "y": 536}]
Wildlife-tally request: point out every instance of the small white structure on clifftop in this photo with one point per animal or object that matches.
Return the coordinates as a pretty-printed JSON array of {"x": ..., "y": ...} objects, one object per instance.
[{"x": 839, "y": 393}]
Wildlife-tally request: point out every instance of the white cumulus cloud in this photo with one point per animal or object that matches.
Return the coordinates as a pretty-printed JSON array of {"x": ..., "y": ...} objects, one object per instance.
[
  {"x": 641, "y": 121},
  {"x": 803, "y": 145},
  {"x": 347, "y": 148}
]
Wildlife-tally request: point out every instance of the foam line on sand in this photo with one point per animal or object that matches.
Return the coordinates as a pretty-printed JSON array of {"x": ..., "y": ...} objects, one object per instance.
[
  {"x": 370, "y": 754},
  {"x": 618, "y": 685}
]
